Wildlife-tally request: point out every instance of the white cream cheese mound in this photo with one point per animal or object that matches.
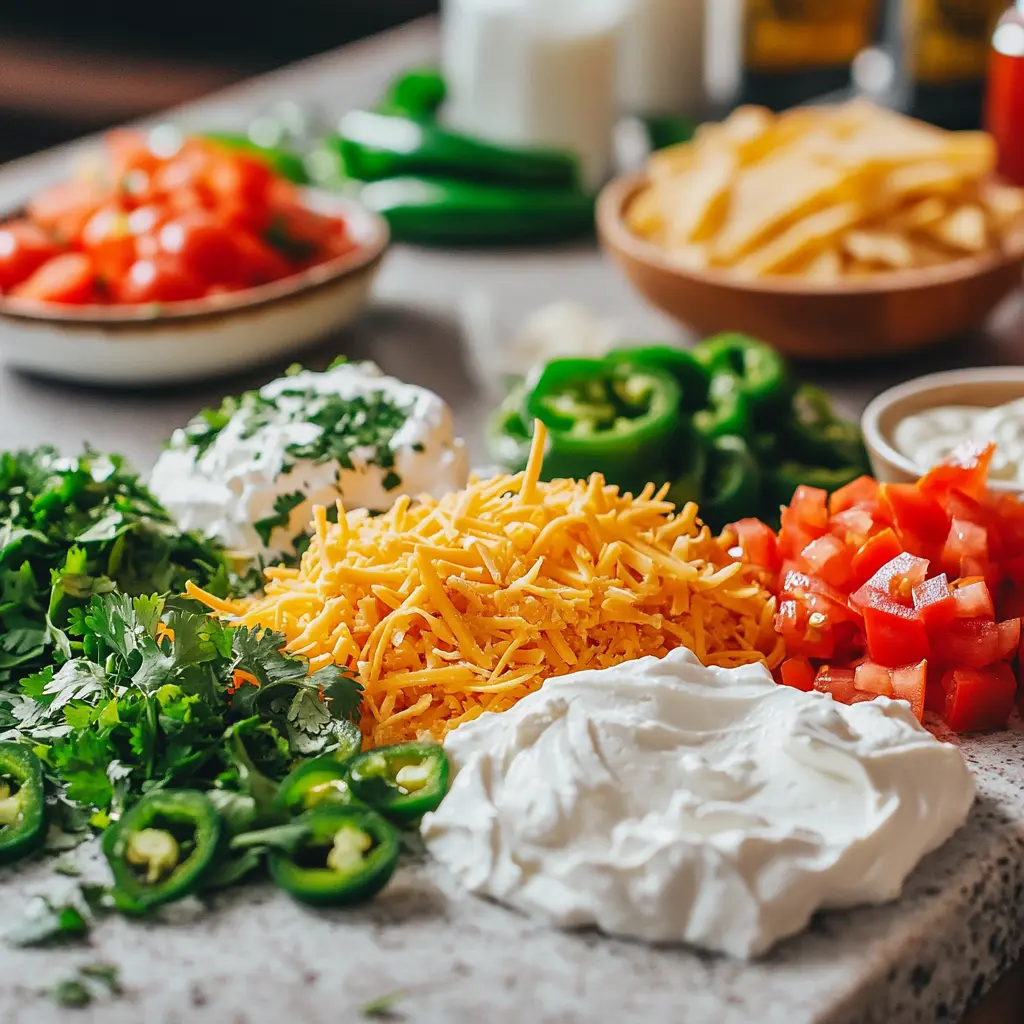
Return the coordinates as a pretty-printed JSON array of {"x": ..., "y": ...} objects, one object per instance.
[
  {"x": 666, "y": 801},
  {"x": 249, "y": 474}
]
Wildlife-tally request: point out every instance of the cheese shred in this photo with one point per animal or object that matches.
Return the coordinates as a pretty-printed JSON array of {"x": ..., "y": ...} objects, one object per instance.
[{"x": 446, "y": 609}]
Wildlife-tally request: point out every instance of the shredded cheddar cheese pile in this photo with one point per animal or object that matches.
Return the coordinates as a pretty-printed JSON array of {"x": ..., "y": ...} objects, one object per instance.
[{"x": 446, "y": 609}]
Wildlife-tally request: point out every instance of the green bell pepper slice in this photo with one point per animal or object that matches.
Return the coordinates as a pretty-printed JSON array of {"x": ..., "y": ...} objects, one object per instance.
[
  {"x": 22, "y": 802},
  {"x": 340, "y": 856},
  {"x": 163, "y": 848},
  {"x": 691, "y": 376},
  {"x": 607, "y": 417},
  {"x": 285, "y": 162},
  {"x": 732, "y": 486},
  {"x": 376, "y": 146},
  {"x": 813, "y": 433},
  {"x": 435, "y": 211},
  {"x": 417, "y": 94},
  {"x": 315, "y": 783},
  {"x": 402, "y": 781},
  {"x": 760, "y": 371},
  {"x": 728, "y": 412}
]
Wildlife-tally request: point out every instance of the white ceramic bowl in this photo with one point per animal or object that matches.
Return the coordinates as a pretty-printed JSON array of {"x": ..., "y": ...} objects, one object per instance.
[
  {"x": 203, "y": 338},
  {"x": 985, "y": 387}
]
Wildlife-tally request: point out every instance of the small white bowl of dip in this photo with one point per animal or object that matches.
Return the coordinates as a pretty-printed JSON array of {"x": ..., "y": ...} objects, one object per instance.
[{"x": 911, "y": 427}]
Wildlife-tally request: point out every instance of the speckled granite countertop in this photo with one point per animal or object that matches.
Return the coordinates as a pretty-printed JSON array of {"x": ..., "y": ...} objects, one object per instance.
[{"x": 257, "y": 957}]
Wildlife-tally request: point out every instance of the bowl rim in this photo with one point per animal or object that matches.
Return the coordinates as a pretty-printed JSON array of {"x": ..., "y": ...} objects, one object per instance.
[
  {"x": 617, "y": 193},
  {"x": 882, "y": 403},
  {"x": 364, "y": 257}
]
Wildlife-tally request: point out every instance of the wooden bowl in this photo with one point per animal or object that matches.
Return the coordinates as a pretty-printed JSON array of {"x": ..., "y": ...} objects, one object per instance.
[
  {"x": 173, "y": 342},
  {"x": 985, "y": 387},
  {"x": 862, "y": 318}
]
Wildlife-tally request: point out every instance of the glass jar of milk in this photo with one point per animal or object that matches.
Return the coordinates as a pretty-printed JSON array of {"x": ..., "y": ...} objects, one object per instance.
[
  {"x": 661, "y": 58},
  {"x": 535, "y": 73}
]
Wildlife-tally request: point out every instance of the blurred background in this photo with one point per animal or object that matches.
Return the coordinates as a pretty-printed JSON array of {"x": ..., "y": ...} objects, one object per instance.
[{"x": 68, "y": 68}]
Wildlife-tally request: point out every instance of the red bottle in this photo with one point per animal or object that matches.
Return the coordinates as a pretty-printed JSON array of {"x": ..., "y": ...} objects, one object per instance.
[{"x": 1005, "y": 115}]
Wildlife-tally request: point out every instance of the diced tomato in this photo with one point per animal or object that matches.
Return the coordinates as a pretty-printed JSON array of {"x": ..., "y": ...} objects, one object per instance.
[
  {"x": 894, "y": 633},
  {"x": 853, "y": 526},
  {"x": 965, "y": 540},
  {"x": 829, "y": 558},
  {"x": 871, "y": 677},
  {"x": 979, "y": 698},
  {"x": 896, "y": 580},
  {"x": 934, "y": 602},
  {"x": 205, "y": 245},
  {"x": 965, "y": 508},
  {"x": 1010, "y": 601},
  {"x": 805, "y": 632},
  {"x": 810, "y": 506},
  {"x": 158, "y": 280},
  {"x": 840, "y": 683},
  {"x": 965, "y": 470},
  {"x": 973, "y": 600},
  {"x": 935, "y": 693},
  {"x": 972, "y": 643},
  {"x": 68, "y": 278},
  {"x": 1014, "y": 569},
  {"x": 107, "y": 238},
  {"x": 260, "y": 263},
  {"x": 919, "y": 520},
  {"x": 758, "y": 543},
  {"x": 24, "y": 248},
  {"x": 64, "y": 208},
  {"x": 798, "y": 673},
  {"x": 862, "y": 492},
  {"x": 879, "y": 550},
  {"x": 817, "y": 595},
  {"x": 909, "y": 683}
]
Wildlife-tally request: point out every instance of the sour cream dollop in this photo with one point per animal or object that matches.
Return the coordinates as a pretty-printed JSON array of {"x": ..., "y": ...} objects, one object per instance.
[
  {"x": 928, "y": 437},
  {"x": 666, "y": 801},
  {"x": 304, "y": 440}
]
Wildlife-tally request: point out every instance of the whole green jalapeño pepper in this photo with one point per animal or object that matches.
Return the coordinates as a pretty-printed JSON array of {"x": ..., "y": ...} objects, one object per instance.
[
  {"x": 732, "y": 485},
  {"x": 760, "y": 371},
  {"x": 728, "y": 411},
  {"x": 417, "y": 93},
  {"x": 375, "y": 146},
  {"x": 163, "y": 848},
  {"x": 403, "y": 781},
  {"x": 436, "y": 211},
  {"x": 691, "y": 376},
  {"x": 607, "y": 417},
  {"x": 339, "y": 856},
  {"x": 314, "y": 784},
  {"x": 22, "y": 802}
]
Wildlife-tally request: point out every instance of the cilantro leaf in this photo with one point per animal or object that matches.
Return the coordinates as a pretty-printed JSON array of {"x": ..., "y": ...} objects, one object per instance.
[{"x": 284, "y": 505}]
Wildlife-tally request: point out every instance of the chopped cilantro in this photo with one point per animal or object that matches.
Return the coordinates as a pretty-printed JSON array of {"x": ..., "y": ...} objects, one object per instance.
[
  {"x": 284, "y": 504},
  {"x": 70, "y": 528}
]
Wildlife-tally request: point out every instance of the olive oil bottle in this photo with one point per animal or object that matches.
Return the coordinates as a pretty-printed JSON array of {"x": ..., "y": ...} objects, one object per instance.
[
  {"x": 943, "y": 52},
  {"x": 797, "y": 50}
]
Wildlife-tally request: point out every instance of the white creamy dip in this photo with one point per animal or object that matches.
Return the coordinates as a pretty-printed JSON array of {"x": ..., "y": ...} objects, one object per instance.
[
  {"x": 223, "y": 487},
  {"x": 929, "y": 437},
  {"x": 667, "y": 801}
]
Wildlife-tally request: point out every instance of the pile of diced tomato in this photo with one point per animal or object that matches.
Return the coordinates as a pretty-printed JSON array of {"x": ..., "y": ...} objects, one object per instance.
[
  {"x": 138, "y": 227},
  {"x": 910, "y": 591}
]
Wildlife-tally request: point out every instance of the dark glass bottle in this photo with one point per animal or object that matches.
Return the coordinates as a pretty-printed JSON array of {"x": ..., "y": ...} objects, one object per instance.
[
  {"x": 944, "y": 49},
  {"x": 797, "y": 50}
]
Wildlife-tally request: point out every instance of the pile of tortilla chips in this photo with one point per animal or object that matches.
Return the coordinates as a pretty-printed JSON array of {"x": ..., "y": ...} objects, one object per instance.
[{"x": 826, "y": 193}]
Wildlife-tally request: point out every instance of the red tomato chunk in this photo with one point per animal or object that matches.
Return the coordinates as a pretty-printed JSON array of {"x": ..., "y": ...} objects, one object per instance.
[{"x": 909, "y": 591}]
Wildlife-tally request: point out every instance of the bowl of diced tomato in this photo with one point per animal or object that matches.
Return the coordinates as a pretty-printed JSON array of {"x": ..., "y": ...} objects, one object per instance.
[
  {"x": 911, "y": 591},
  {"x": 152, "y": 266}
]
